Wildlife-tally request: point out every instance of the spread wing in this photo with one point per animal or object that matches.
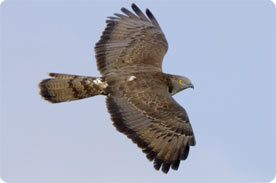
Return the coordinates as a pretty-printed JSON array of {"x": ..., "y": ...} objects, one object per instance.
[
  {"x": 154, "y": 121},
  {"x": 131, "y": 42}
]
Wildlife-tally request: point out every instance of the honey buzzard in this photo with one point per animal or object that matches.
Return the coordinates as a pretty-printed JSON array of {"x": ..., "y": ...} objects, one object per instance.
[{"x": 139, "y": 98}]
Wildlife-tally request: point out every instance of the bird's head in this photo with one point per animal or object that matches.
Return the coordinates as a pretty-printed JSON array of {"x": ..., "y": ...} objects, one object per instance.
[{"x": 180, "y": 83}]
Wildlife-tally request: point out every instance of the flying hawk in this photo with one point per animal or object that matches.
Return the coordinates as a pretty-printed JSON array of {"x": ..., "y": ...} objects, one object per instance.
[{"x": 138, "y": 94}]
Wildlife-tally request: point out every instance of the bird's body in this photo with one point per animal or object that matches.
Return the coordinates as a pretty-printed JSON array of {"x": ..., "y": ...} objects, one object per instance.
[{"x": 139, "y": 95}]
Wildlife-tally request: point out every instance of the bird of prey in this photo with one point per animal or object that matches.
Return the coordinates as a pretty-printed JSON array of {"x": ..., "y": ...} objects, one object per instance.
[{"x": 138, "y": 94}]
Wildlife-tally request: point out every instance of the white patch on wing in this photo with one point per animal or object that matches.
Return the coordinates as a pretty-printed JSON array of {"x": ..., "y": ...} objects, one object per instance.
[
  {"x": 131, "y": 78},
  {"x": 99, "y": 82}
]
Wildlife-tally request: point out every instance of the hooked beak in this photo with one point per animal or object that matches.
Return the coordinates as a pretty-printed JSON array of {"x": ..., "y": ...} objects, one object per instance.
[{"x": 192, "y": 86}]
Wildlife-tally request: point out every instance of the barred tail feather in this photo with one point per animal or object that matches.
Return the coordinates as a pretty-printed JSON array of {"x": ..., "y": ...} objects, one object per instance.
[{"x": 65, "y": 87}]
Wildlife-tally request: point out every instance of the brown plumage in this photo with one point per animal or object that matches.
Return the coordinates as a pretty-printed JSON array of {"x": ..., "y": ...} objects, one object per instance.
[
  {"x": 139, "y": 95},
  {"x": 65, "y": 87}
]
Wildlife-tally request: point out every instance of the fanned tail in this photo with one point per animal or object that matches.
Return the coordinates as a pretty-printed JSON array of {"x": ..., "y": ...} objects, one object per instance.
[{"x": 65, "y": 87}]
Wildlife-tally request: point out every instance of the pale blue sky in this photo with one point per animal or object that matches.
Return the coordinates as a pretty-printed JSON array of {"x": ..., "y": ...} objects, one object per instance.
[{"x": 227, "y": 48}]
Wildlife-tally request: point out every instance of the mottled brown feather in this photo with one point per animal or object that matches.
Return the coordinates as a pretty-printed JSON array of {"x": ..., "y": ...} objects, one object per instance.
[
  {"x": 146, "y": 113},
  {"x": 66, "y": 87},
  {"x": 131, "y": 43}
]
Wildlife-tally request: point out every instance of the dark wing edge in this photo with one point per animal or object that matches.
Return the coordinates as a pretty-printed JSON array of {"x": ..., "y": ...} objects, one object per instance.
[
  {"x": 141, "y": 15},
  {"x": 121, "y": 125}
]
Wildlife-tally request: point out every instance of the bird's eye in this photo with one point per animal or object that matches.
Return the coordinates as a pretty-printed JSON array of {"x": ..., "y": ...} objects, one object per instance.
[{"x": 180, "y": 82}]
